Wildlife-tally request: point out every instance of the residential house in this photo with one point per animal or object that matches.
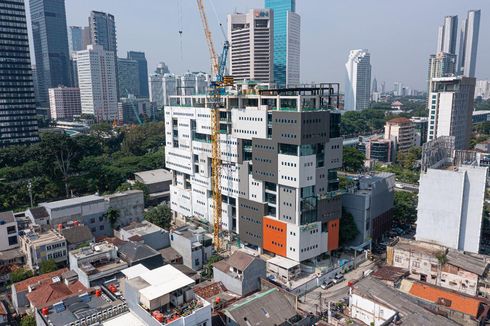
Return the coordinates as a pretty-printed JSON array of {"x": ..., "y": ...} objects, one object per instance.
[
  {"x": 194, "y": 245},
  {"x": 145, "y": 232},
  {"x": 8, "y": 231},
  {"x": 39, "y": 247},
  {"x": 77, "y": 236},
  {"x": 240, "y": 273},
  {"x": 135, "y": 253},
  {"x": 158, "y": 184}
]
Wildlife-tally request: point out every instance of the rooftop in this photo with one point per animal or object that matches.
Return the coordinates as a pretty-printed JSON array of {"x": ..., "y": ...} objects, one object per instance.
[
  {"x": 77, "y": 234},
  {"x": 94, "y": 249},
  {"x": 142, "y": 228},
  {"x": 158, "y": 286},
  {"x": 263, "y": 308},
  {"x": 71, "y": 202},
  {"x": 127, "y": 318},
  {"x": 154, "y": 176},
  {"x": 132, "y": 251},
  {"x": 239, "y": 260},
  {"x": 399, "y": 120},
  {"x": 283, "y": 262},
  {"x": 209, "y": 290},
  {"x": 454, "y": 301},
  {"x": 390, "y": 273},
  {"x": 38, "y": 239},
  {"x": 44, "y": 278},
  {"x": 50, "y": 293},
  {"x": 7, "y": 255},
  {"x": 469, "y": 262},
  {"x": 411, "y": 313},
  {"x": 39, "y": 212},
  {"x": 7, "y": 217},
  {"x": 418, "y": 247},
  {"x": 170, "y": 254}
]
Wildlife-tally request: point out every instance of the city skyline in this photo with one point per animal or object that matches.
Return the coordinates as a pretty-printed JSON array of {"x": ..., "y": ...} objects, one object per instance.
[{"x": 350, "y": 29}]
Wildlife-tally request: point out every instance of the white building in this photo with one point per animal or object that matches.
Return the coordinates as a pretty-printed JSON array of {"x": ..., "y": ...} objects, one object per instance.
[
  {"x": 482, "y": 89},
  {"x": 8, "y": 231},
  {"x": 98, "y": 82},
  {"x": 278, "y": 178},
  {"x": 251, "y": 37},
  {"x": 468, "y": 49},
  {"x": 164, "y": 86},
  {"x": 447, "y": 35},
  {"x": 64, "y": 103},
  {"x": 358, "y": 82},
  {"x": 451, "y": 108}
]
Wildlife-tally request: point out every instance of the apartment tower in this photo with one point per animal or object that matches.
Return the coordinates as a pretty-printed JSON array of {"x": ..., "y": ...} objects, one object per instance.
[{"x": 358, "y": 82}]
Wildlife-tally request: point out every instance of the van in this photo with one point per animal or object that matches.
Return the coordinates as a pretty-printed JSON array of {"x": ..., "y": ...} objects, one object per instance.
[{"x": 327, "y": 284}]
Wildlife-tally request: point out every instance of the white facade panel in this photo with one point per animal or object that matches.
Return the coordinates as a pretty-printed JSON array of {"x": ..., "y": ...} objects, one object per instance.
[
  {"x": 180, "y": 200},
  {"x": 296, "y": 171},
  {"x": 249, "y": 123},
  {"x": 178, "y": 160}
]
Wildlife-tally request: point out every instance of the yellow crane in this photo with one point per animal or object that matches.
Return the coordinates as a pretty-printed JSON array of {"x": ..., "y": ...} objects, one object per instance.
[{"x": 214, "y": 100}]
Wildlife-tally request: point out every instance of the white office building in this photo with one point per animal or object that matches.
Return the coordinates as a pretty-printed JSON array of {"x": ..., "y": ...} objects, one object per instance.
[
  {"x": 251, "y": 53},
  {"x": 358, "y": 82},
  {"x": 447, "y": 35},
  {"x": 97, "y": 82},
  {"x": 451, "y": 108},
  {"x": 468, "y": 49},
  {"x": 64, "y": 103},
  {"x": 166, "y": 85}
]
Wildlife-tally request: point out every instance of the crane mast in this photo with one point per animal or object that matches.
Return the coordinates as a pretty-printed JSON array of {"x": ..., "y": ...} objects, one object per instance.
[{"x": 215, "y": 89}]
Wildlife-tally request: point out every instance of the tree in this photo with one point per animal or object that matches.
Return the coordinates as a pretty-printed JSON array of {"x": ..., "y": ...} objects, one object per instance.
[
  {"x": 208, "y": 268},
  {"x": 409, "y": 159},
  {"x": 348, "y": 228},
  {"x": 28, "y": 320},
  {"x": 20, "y": 275},
  {"x": 405, "y": 208},
  {"x": 112, "y": 216},
  {"x": 160, "y": 215},
  {"x": 353, "y": 159},
  {"x": 47, "y": 266}
]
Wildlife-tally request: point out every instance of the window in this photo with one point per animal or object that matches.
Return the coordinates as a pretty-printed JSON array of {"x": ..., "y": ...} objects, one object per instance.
[
  {"x": 13, "y": 240},
  {"x": 197, "y": 262},
  {"x": 92, "y": 220},
  {"x": 101, "y": 228},
  {"x": 12, "y": 229},
  {"x": 398, "y": 259},
  {"x": 101, "y": 218}
]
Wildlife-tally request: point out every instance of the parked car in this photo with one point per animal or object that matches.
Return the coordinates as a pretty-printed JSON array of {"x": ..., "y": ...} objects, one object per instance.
[
  {"x": 338, "y": 278},
  {"x": 327, "y": 284}
]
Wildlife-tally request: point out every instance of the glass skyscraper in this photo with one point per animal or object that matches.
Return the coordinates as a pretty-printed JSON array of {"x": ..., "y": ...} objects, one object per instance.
[
  {"x": 142, "y": 72},
  {"x": 287, "y": 25},
  {"x": 50, "y": 38},
  {"x": 18, "y": 123}
]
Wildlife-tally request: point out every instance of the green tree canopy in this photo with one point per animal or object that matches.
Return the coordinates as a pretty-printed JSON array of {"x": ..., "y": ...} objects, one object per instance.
[
  {"x": 47, "y": 266},
  {"x": 160, "y": 215},
  {"x": 28, "y": 320},
  {"x": 353, "y": 160},
  {"x": 112, "y": 216},
  {"x": 20, "y": 275},
  {"x": 405, "y": 208}
]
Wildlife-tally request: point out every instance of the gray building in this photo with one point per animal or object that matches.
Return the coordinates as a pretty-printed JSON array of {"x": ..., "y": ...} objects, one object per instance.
[
  {"x": 19, "y": 123},
  {"x": 75, "y": 38},
  {"x": 127, "y": 77},
  {"x": 140, "y": 58},
  {"x": 132, "y": 110},
  {"x": 77, "y": 236},
  {"x": 158, "y": 183},
  {"x": 240, "y": 273},
  {"x": 50, "y": 38},
  {"x": 135, "y": 253},
  {"x": 194, "y": 245},
  {"x": 470, "y": 32},
  {"x": 370, "y": 201},
  {"x": 145, "y": 232}
]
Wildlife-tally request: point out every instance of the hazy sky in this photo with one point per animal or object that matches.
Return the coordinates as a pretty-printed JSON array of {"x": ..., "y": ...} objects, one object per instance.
[{"x": 400, "y": 34}]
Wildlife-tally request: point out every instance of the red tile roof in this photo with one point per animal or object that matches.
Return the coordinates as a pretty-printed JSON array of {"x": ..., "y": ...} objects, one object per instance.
[
  {"x": 467, "y": 305},
  {"x": 399, "y": 120},
  {"x": 50, "y": 293},
  {"x": 23, "y": 285}
]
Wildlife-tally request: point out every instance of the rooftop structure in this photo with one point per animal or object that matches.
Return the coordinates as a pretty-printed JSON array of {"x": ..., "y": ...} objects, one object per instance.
[
  {"x": 164, "y": 295},
  {"x": 38, "y": 247},
  {"x": 240, "y": 273},
  {"x": 460, "y": 271},
  {"x": 145, "y": 232},
  {"x": 194, "y": 245},
  {"x": 402, "y": 132},
  {"x": 77, "y": 235},
  {"x": 158, "y": 183},
  {"x": 374, "y": 302},
  {"x": 135, "y": 253},
  {"x": 96, "y": 263}
]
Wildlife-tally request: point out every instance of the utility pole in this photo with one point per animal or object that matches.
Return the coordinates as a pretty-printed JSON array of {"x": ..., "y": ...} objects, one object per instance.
[
  {"x": 321, "y": 304},
  {"x": 29, "y": 188}
]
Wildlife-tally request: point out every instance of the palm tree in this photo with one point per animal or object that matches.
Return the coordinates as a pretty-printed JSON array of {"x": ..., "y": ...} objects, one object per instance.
[{"x": 112, "y": 215}]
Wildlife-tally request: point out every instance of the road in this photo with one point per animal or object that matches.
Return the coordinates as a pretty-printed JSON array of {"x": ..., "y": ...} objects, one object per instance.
[{"x": 311, "y": 301}]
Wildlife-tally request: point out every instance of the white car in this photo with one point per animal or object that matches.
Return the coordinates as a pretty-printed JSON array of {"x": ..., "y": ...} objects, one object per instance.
[
  {"x": 338, "y": 278},
  {"x": 399, "y": 186}
]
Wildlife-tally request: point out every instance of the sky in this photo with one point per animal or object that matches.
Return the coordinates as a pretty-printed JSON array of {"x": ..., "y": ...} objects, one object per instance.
[{"x": 399, "y": 34}]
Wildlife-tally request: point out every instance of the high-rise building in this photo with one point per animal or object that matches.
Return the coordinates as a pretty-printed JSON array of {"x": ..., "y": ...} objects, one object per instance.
[
  {"x": 451, "y": 196},
  {"x": 287, "y": 41},
  {"x": 140, "y": 58},
  {"x": 50, "y": 38},
  {"x": 451, "y": 108},
  {"x": 102, "y": 29},
  {"x": 251, "y": 37},
  {"x": 448, "y": 35},
  {"x": 17, "y": 103},
  {"x": 134, "y": 110},
  {"x": 98, "y": 82},
  {"x": 482, "y": 89},
  {"x": 64, "y": 103},
  {"x": 164, "y": 86},
  {"x": 469, "y": 44},
  {"x": 75, "y": 39},
  {"x": 278, "y": 178},
  {"x": 442, "y": 65},
  {"x": 162, "y": 69},
  {"x": 358, "y": 82},
  {"x": 402, "y": 132},
  {"x": 421, "y": 129},
  {"x": 128, "y": 77},
  {"x": 375, "y": 86}
]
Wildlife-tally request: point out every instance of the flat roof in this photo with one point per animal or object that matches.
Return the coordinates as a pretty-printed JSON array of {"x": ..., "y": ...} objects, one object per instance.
[
  {"x": 134, "y": 271},
  {"x": 285, "y": 263},
  {"x": 154, "y": 176},
  {"x": 71, "y": 201},
  {"x": 127, "y": 318},
  {"x": 164, "y": 280}
]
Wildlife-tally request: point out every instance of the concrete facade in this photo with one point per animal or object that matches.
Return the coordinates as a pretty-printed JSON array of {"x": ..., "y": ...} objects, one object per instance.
[
  {"x": 9, "y": 233},
  {"x": 193, "y": 245},
  {"x": 64, "y": 103},
  {"x": 39, "y": 247},
  {"x": 358, "y": 81}
]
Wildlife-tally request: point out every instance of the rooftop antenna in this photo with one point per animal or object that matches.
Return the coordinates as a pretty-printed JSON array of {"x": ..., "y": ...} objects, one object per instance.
[{"x": 181, "y": 28}]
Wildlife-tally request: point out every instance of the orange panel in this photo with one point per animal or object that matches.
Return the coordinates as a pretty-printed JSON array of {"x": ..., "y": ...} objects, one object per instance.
[
  {"x": 275, "y": 236},
  {"x": 333, "y": 234}
]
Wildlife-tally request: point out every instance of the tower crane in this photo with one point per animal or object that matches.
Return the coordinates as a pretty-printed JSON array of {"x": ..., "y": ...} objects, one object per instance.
[{"x": 215, "y": 90}]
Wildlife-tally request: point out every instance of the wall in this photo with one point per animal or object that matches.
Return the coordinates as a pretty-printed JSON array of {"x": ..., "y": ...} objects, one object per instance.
[{"x": 368, "y": 311}]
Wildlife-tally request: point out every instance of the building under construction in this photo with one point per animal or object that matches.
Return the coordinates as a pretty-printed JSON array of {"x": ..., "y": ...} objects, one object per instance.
[{"x": 280, "y": 149}]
